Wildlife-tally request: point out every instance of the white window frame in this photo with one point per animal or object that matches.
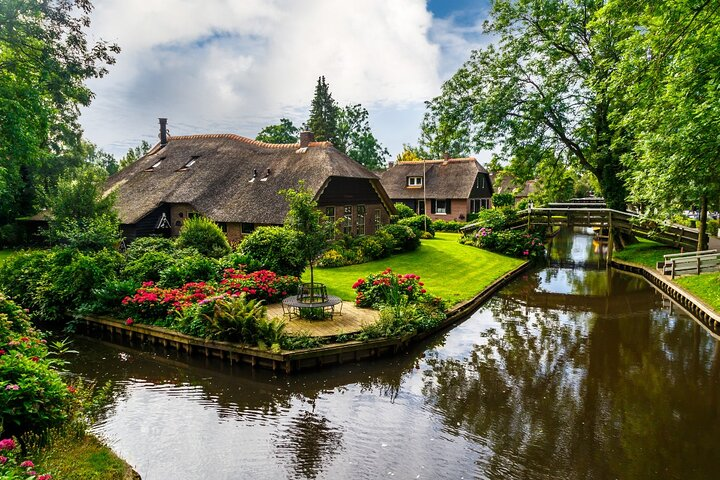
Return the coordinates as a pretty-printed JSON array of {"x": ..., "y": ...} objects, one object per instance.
[{"x": 414, "y": 181}]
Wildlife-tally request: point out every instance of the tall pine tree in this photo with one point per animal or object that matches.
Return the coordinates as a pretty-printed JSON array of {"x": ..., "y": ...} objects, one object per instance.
[{"x": 323, "y": 113}]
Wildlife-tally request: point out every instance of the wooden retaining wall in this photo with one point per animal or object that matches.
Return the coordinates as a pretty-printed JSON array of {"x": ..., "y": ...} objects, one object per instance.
[
  {"x": 287, "y": 361},
  {"x": 689, "y": 302}
]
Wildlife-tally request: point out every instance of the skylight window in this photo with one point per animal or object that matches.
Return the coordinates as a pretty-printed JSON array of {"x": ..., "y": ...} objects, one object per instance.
[
  {"x": 192, "y": 161},
  {"x": 156, "y": 164}
]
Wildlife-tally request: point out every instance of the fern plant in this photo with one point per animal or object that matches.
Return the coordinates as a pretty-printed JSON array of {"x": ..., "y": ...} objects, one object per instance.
[{"x": 235, "y": 319}]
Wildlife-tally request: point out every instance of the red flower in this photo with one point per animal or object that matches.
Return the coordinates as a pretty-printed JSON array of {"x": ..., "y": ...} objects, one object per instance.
[
  {"x": 27, "y": 463},
  {"x": 129, "y": 321},
  {"x": 2, "y": 351},
  {"x": 35, "y": 359},
  {"x": 71, "y": 389}
]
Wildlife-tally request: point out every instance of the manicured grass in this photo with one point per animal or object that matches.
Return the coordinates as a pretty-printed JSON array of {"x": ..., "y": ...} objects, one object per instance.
[
  {"x": 452, "y": 271},
  {"x": 76, "y": 456},
  {"x": 645, "y": 252},
  {"x": 705, "y": 286}
]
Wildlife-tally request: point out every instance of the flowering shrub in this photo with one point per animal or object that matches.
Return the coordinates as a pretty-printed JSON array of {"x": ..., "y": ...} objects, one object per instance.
[
  {"x": 152, "y": 304},
  {"x": 32, "y": 394},
  {"x": 263, "y": 284},
  {"x": 11, "y": 465},
  {"x": 388, "y": 288}
]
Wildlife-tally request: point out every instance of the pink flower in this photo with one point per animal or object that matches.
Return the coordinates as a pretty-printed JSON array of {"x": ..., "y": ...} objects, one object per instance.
[
  {"x": 129, "y": 321},
  {"x": 12, "y": 386},
  {"x": 47, "y": 476},
  {"x": 2, "y": 351},
  {"x": 27, "y": 463},
  {"x": 7, "y": 444},
  {"x": 423, "y": 291},
  {"x": 526, "y": 253},
  {"x": 3, "y": 460}
]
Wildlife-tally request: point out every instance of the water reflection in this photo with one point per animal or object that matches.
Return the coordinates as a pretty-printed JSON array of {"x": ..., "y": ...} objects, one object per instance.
[{"x": 567, "y": 373}]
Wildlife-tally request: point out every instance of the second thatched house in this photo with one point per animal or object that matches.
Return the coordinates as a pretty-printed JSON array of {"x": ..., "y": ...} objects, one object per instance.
[
  {"x": 235, "y": 181},
  {"x": 452, "y": 188}
]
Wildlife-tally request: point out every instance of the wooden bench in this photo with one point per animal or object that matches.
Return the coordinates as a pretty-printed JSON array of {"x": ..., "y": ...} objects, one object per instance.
[{"x": 690, "y": 263}]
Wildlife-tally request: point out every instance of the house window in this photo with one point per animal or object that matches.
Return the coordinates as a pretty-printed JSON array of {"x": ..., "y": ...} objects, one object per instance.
[
  {"x": 378, "y": 218},
  {"x": 480, "y": 181},
  {"x": 330, "y": 214},
  {"x": 414, "y": 181},
  {"x": 421, "y": 207},
  {"x": 223, "y": 226},
  {"x": 485, "y": 202},
  {"x": 476, "y": 204},
  {"x": 441, "y": 207},
  {"x": 347, "y": 225},
  {"x": 247, "y": 227},
  {"x": 360, "y": 220}
]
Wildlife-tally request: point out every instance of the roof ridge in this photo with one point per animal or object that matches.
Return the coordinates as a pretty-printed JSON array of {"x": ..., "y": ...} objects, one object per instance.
[
  {"x": 440, "y": 160},
  {"x": 249, "y": 141}
]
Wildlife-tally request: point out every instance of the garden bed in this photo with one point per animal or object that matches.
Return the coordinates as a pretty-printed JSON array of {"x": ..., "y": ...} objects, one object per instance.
[{"x": 287, "y": 361}]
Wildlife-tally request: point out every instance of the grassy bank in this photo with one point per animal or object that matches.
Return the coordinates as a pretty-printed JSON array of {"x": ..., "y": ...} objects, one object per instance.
[
  {"x": 705, "y": 286},
  {"x": 80, "y": 456},
  {"x": 454, "y": 272},
  {"x": 644, "y": 252}
]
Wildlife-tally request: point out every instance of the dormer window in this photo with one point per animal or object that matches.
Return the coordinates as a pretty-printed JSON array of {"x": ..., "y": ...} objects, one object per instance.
[
  {"x": 155, "y": 165},
  {"x": 190, "y": 163},
  {"x": 414, "y": 181}
]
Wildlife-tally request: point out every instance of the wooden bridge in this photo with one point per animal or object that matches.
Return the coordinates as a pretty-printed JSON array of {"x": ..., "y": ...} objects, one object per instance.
[{"x": 596, "y": 214}]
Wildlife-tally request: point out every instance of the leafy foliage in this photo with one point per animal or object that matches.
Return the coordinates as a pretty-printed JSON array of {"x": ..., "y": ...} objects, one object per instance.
[
  {"x": 419, "y": 224},
  {"x": 205, "y": 236},
  {"x": 134, "y": 154},
  {"x": 235, "y": 319},
  {"x": 82, "y": 216},
  {"x": 274, "y": 249},
  {"x": 323, "y": 113},
  {"x": 355, "y": 138},
  {"x": 284, "y": 132},
  {"x": 540, "y": 92},
  {"x": 503, "y": 200},
  {"x": 388, "y": 288},
  {"x": 403, "y": 211},
  {"x": 404, "y": 238},
  {"x": 45, "y": 60}
]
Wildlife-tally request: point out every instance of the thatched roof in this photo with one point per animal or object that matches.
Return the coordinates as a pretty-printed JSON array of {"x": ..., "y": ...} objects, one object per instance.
[
  {"x": 506, "y": 183},
  {"x": 452, "y": 178},
  {"x": 218, "y": 183}
]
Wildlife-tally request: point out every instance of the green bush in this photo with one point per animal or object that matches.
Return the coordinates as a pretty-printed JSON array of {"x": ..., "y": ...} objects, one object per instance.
[
  {"x": 403, "y": 211},
  {"x": 205, "y": 236},
  {"x": 51, "y": 283},
  {"x": 102, "y": 232},
  {"x": 147, "y": 267},
  {"x": 418, "y": 223},
  {"x": 12, "y": 235},
  {"x": 239, "y": 261},
  {"x": 371, "y": 247},
  {"x": 404, "y": 319},
  {"x": 142, "y": 245},
  {"x": 108, "y": 298},
  {"x": 332, "y": 258},
  {"x": 448, "y": 226},
  {"x": 503, "y": 200},
  {"x": 195, "y": 268},
  {"x": 405, "y": 239},
  {"x": 496, "y": 219},
  {"x": 32, "y": 393},
  {"x": 274, "y": 249}
]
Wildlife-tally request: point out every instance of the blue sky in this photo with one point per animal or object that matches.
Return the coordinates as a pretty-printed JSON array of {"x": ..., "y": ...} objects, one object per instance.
[{"x": 229, "y": 66}]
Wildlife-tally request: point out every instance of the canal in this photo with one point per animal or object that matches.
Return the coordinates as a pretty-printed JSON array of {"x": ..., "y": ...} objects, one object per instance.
[{"x": 571, "y": 371}]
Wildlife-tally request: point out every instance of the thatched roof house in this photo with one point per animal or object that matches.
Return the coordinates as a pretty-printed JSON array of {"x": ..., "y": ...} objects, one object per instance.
[
  {"x": 506, "y": 183},
  {"x": 235, "y": 181},
  {"x": 453, "y": 187}
]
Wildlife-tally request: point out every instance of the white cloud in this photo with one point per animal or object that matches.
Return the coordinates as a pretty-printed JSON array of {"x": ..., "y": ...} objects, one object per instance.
[{"x": 235, "y": 66}]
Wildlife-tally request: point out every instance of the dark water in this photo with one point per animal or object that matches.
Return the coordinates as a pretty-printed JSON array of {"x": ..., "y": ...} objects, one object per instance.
[{"x": 567, "y": 373}]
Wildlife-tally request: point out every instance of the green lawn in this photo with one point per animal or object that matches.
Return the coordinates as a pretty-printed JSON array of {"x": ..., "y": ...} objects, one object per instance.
[
  {"x": 452, "y": 271},
  {"x": 645, "y": 252},
  {"x": 705, "y": 286}
]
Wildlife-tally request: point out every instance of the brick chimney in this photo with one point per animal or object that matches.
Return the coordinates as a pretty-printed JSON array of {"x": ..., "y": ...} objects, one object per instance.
[
  {"x": 163, "y": 131},
  {"x": 305, "y": 139}
]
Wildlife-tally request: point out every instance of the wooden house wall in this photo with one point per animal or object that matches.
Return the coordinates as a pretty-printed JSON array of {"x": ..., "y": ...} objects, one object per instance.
[{"x": 147, "y": 225}]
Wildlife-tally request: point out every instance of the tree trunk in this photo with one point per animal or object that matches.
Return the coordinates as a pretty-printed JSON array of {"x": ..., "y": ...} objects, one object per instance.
[{"x": 702, "y": 244}]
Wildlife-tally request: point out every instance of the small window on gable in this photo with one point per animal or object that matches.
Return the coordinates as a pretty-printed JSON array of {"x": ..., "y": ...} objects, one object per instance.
[
  {"x": 414, "y": 181},
  {"x": 155, "y": 165}
]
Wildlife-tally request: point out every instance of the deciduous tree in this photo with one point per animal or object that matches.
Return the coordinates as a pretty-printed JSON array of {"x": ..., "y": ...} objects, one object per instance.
[{"x": 283, "y": 132}]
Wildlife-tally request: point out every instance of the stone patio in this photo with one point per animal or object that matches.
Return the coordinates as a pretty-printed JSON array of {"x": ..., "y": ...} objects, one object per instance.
[{"x": 351, "y": 320}]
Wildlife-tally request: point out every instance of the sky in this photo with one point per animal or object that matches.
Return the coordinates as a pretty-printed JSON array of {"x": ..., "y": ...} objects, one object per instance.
[{"x": 236, "y": 66}]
